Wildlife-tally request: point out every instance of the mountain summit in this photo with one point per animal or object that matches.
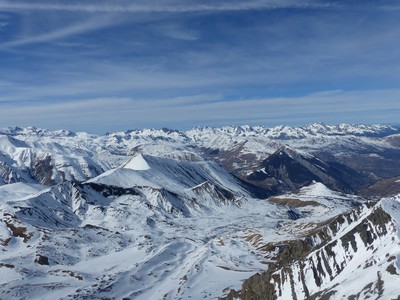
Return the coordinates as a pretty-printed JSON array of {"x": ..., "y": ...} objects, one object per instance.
[{"x": 232, "y": 212}]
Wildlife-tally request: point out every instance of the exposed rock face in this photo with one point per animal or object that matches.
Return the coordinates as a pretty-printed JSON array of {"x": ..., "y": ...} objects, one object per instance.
[
  {"x": 42, "y": 170},
  {"x": 315, "y": 267},
  {"x": 42, "y": 260},
  {"x": 7, "y": 174},
  {"x": 292, "y": 170},
  {"x": 179, "y": 219},
  {"x": 359, "y": 155}
]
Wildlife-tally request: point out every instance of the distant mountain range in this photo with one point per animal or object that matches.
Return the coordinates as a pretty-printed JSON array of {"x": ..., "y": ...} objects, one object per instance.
[{"x": 306, "y": 212}]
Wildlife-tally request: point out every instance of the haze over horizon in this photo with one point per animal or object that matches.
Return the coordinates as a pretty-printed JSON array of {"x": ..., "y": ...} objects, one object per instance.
[{"x": 102, "y": 66}]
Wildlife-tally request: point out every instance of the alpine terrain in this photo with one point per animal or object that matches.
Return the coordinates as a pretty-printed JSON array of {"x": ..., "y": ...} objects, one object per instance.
[{"x": 308, "y": 212}]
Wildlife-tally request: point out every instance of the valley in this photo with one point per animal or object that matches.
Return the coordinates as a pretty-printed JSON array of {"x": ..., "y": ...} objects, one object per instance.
[{"x": 233, "y": 212}]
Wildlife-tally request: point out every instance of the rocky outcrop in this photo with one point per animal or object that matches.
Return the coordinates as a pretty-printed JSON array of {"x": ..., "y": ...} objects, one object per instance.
[
  {"x": 8, "y": 174},
  {"x": 315, "y": 267},
  {"x": 42, "y": 170}
]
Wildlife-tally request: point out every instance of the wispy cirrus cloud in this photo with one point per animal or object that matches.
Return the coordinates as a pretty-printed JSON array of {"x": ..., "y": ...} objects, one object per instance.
[
  {"x": 159, "y": 6},
  {"x": 91, "y": 24},
  {"x": 180, "y": 6},
  {"x": 96, "y": 114},
  {"x": 139, "y": 60}
]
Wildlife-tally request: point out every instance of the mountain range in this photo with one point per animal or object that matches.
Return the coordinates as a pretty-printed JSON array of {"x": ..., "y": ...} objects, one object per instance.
[{"x": 242, "y": 212}]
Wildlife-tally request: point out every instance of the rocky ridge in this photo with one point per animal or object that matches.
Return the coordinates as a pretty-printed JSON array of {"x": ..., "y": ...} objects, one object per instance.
[
  {"x": 164, "y": 214},
  {"x": 326, "y": 262}
]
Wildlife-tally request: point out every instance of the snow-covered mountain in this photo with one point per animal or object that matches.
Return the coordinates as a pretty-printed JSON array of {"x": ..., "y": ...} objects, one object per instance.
[
  {"x": 354, "y": 256},
  {"x": 238, "y": 212},
  {"x": 51, "y": 157}
]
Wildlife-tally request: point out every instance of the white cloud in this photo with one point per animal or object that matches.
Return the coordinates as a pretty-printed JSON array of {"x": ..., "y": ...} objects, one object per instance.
[
  {"x": 273, "y": 52},
  {"x": 109, "y": 114},
  {"x": 94, "y": 79},
  {"x": 59, "y": 33},
  {"x": 159, "y": 6}
]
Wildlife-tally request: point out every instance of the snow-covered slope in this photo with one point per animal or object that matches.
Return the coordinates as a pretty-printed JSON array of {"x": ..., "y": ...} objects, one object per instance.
[
  {"x": 313, "y": 136},
  {"x": 184, "y": 187},
  {"x": 105, "y": 238},
  {"x": 317, "y": 200},
  {"x": 363, "y": 148},
  {"x": 163, "y": 214},
  {"x": 356, "y": 256},
  {"x": 53, "y": 156},
  {"x": 45, "y": 162},
  {"x": 96, "y": 240}
]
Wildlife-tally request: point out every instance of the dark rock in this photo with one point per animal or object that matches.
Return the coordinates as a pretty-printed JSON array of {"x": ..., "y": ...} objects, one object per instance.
[
  {"x": 42, "y": 260},
  {"x": 295, "y": 252}
]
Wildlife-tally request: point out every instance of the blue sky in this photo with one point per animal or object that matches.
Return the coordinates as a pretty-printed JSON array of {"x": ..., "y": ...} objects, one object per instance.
[{"x": 103, "y": 66}]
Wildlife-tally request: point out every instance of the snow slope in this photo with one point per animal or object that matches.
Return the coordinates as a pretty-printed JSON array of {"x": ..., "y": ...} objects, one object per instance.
[
  {"x": 186, "y": 187},
  {"x": 107, "y": 238},
  {"x": 48, "y": 157},
  {"x": 354, "y": 256},
  {"x": 146, "y": 214}
]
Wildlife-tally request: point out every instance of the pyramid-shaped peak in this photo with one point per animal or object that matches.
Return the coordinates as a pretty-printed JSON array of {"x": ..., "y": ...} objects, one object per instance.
[
  {"x": 317, "y": 189},
  {"x": 137, "y": 163}
]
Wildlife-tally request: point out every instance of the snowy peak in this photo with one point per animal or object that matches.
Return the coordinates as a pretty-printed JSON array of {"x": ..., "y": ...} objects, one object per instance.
[
  {"x": 287, "y": 132},
  {"x": 79, "y": 156},
  {"x": 315, "y": 200},
  {"x": 187, "y": 187},
  {"x": 137, "y": 163},
  {"x": 317, "y": 189},
  {"x": 198, "y": 212},
  {"x": 34, "y": 131}
]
